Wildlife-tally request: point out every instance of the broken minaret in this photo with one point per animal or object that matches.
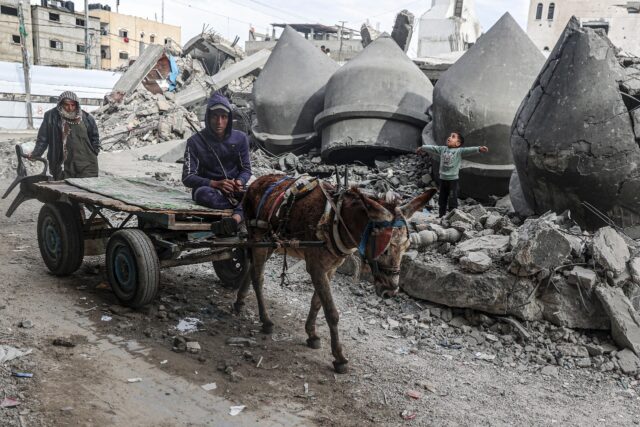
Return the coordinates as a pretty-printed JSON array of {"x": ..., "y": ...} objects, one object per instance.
[
  {"x": 573, "y": 137},
  {"x": 403, "y": 29},
  {"x": 479, "y": 97},
  {"x": 290, "y": 92},
  {"x": 374, "y": 105}
]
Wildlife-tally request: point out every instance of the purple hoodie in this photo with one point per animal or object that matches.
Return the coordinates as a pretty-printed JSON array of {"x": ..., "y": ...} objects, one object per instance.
[{"x": 201, "y": 164}]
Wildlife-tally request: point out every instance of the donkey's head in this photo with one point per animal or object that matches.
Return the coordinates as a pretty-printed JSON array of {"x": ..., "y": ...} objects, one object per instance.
[{"x": 386, "y": 238}]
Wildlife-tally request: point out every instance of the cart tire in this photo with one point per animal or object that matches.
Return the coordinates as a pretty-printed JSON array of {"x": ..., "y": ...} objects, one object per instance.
[
  {"x": 233, "y": 273},
  {"x": 60, "y": 237},
  {"x": 133, "y": 269}
]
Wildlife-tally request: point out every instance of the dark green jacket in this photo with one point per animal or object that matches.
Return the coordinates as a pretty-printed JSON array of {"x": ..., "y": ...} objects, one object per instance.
[{"x": 50, "y": 137}]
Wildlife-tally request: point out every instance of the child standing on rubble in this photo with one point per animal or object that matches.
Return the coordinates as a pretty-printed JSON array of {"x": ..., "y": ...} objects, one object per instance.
[{"x": 450, "y": 159}]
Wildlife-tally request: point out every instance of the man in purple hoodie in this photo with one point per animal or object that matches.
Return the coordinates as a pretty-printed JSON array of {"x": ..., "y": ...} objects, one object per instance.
[{"x": 217, "y": 164}]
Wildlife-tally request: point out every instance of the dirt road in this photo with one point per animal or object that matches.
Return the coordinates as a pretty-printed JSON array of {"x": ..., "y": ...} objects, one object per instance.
[{"x": 277, "y": 378}]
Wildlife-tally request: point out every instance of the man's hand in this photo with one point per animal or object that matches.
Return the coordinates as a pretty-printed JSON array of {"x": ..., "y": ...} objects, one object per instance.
[
  {"x": 420, "y": 151},
  {"x": 239, "y": 185},
  {"x": 484, "y": 149},
  {"x": 225, "y": 185}
]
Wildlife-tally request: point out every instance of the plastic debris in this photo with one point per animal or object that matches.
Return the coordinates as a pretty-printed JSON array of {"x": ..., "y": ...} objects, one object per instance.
[
  {"x": 235, "y": 410},
  {"x": 188, "y": 325},
  {"x": 8, "y": 402},
  {"x": 407, "y": 415},
  {"x": 9, "y": 353},
  {"x": 22, "y": 374},
  {"x": 209, "y": 387},
  {"x": 134, "y": 380},
  {"x": 164, "y": 362},
  {"x": 414, "y": 394},
  {"x": 106, "y": 318}
]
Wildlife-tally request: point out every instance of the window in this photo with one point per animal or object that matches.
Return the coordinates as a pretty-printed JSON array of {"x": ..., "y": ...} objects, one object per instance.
[
  {"x": 552, "y": 9},
  {"x": 457, "y": 12},
  {"x": 152, "y": 38},
  {"x": 15, "y": 39},
  {"x": 123, "y": 55},
  {"x": 123, "y": 33},
  {"x": 8, "y": 10},
  {"x": 104, "y": 29},
  {"x": 55, "y": 44},
  {"x": 80, "y": 48},
  {"x": 79, "y": 22},
  {"x": 105, "y": 52},
  {"x": 54, "y": 17},
  {"x": 539, "y": 11}
]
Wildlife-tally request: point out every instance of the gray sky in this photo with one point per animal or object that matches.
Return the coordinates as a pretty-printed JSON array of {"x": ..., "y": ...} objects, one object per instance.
[{"x": 232, "y": 17}]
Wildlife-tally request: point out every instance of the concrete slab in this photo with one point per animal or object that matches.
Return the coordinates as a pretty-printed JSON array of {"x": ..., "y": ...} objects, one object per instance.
[
  {"x": 139, "y": 70},
  {"x": 625, "y": 321}
]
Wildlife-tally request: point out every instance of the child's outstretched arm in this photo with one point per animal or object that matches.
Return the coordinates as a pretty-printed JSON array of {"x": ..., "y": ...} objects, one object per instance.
[
  {"x": 432, "y": 149},
  {"x": 473, "y": 150}
]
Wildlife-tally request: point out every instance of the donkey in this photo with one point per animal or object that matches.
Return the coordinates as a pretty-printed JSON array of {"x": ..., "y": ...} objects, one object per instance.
[{"x": 347, "y": 221}]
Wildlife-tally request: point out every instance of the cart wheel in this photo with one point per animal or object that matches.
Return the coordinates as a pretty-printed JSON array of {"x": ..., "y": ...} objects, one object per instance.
[
  {"x": 235, "y": 271},
  {"x": 60, "y": 237},
  {"x": 132, "y": 267}
]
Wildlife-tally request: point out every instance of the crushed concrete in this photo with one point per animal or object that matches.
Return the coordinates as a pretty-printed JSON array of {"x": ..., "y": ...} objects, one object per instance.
[
  {"x": 610, "y": 250},
  {"x": 541, "y": 245},
  {"x": 625, "y": 321}
]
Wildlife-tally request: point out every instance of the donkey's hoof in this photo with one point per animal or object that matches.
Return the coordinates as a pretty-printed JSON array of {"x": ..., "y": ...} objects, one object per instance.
[
  {"x": 267, "y": 328},
  {"x": 313, "y": 343},
  {"x": 341, "y": 367},
  {"x": 237, "y": 307}
]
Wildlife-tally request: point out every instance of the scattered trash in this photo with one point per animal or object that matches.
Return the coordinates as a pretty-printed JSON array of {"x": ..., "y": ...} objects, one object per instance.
[
  {"x": 188, "y": 325},
  {"x": 66, "y": 409},
  {"x": 235, "y": 410},
  {"x": 240, "y": 341},
  {"x": 134, "y": 380},
  {"x": 8, "y": 353},
  {"x": 414, "y": 394},
  {"x": 63, "y": 342},
  {"x": 408, "y": 415},
  {"x": 259, "y": 362},
  {"x": 106, "y": 318},
  {"x": 164, "y": 362},
  {"x": 306, "y": 388},
  {"x": 22, "y": 374},
  {"x": 282, "y": 336},
  {"x": 209, "y": 387},
  {"x": 484, "y": 356},
  {"x": 8, "y": 402}
]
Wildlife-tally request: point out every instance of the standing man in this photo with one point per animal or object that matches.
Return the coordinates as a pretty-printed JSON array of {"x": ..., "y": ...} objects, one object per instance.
[
  {"x": 217, "y": 165},
  {"x": 71, "y": 137}
]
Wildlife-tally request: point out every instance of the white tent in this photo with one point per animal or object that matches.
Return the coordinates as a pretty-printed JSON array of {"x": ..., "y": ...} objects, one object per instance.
[{"x": 48, "y": 82}]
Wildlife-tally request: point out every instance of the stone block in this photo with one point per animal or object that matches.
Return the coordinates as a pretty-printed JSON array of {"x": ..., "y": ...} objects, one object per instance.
[
  {"x": 476, "y": 262},
  {"x": 610, "y": 250},
  {"x": 625, "y": 321}
]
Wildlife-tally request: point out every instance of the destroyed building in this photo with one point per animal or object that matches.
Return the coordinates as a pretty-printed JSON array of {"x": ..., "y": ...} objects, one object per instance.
[
  {"x": 290, "y": 92},
  {"x": 448, "y": 26},
  {"x": 374, "y": 107},
  {"x": 479, "y": 97},
  {"x": 575, "y": 137}
]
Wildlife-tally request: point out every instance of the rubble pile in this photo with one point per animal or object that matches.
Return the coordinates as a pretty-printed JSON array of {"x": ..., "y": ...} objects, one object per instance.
[
  {"x": 142, "y": 118},
  {"x": 479, "y": 269}
]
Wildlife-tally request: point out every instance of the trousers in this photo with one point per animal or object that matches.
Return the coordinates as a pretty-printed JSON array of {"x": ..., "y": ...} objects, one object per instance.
[
  {"x": 448, "y": 197},
  {"x": 214, "y": 199}
]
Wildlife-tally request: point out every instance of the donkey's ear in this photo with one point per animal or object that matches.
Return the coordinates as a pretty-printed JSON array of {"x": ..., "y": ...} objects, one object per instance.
[
  {"x": 375, "y": 211},
  {"x": 417, "y": 203}
]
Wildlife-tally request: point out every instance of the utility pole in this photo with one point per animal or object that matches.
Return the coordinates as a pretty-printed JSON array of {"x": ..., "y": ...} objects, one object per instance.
[
  {"x": 25, "y": 66},
  {"x": 163, "y": 11},
  {"x": 341, "y": 35},
  {"x": 87, "y": 58}
]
